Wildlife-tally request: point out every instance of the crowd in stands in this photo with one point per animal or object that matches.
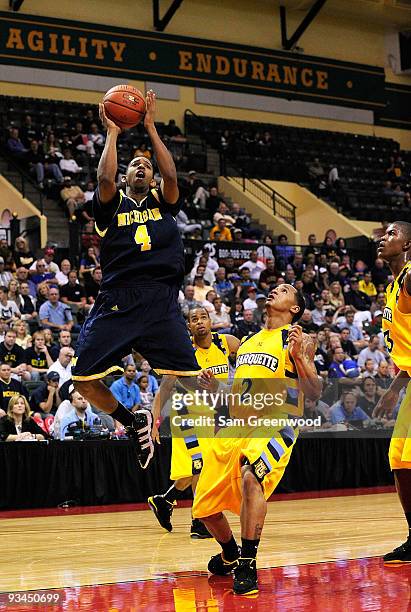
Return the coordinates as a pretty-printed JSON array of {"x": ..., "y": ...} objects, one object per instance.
[{"x": 43, "y": 305}]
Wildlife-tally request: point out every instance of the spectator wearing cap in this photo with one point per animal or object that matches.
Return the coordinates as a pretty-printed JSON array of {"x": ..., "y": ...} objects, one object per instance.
[
  {"x": 237, "y": 234},
  {"x": 48, "y": 259},
  {"x": 250, "y": 303},
  {"x": 247, "y": 325},
  {"x": 220, "y": 319},
  {"x": 254, "y": 265},
  {"x": 258, "y": 313},
  {"x": 63, "y": 364},
  {"x": 81, "y": 414},
  {"x": 5, "y": 275},
  {"x": 72, "y": 196},
  {"x": 356, "y": 298},
  {"x": 318, "y": 315},
  {"x": 367, "y": 286},
  {"x": 222, "y": 285},
  {"x": 54, "y": 314},
  {"x": 268, "y": 277},
  {"x": 372, "y": 352},
  {"x": 221, "y": 228},
  {"x": 348, "y": 411},
  {"x": 9, "y": 387},
  {"x": 45, "y": 399}
]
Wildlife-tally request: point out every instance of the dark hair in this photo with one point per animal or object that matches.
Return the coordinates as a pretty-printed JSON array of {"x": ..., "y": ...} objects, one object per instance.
[
  {"x": 4, "y": 289},
  {"x": 197, "y": 308},
  {"x": 300, "y": 301}
]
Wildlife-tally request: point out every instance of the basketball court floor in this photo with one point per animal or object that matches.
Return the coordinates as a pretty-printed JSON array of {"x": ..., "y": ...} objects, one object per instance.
[{"x": 317, "y": 554}]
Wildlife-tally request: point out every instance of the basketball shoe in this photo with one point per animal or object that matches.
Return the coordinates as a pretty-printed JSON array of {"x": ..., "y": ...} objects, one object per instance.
[
  {"x": 245, "y": 577},
  {"x": 402, "y": 554},
  {"x": 220, "y": 567},
  {"x": 140, "y": 431},
  {"x": 162, "y": 509},
  {"x": 198, "y": 530}
]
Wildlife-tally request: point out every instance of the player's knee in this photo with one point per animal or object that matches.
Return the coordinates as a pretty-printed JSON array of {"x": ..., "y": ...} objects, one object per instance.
[
  {"x": 213, "y": 518},
  {"x": 85, "y": 388},
  {"x": 250, "y": 484}
]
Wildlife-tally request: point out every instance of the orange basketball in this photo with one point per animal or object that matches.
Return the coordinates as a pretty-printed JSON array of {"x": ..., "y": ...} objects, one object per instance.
[{"x": 125, "y": 105}]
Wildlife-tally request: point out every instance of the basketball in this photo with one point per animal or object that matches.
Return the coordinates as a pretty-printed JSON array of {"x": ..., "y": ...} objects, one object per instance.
[{"x": 125, "y": 105}]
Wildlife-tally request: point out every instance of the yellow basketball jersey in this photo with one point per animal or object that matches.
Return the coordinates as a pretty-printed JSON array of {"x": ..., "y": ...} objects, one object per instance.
[
  {"x": 260, "y": 359},
  {"x": 215, "y": 357},
  {"x": 396, "y": 325}
]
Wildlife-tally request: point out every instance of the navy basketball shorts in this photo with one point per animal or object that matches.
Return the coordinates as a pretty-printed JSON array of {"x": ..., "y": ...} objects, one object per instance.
[{"x": 146, "y": 318}]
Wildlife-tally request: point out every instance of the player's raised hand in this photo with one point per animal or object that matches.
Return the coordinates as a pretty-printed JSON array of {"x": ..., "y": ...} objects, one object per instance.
[
  {"x": 150, "y": 115},
  {"x": 107, "y": 123},
  {"x": 295, "y": 340},
  {"x": 207, "y": 380},
  {"x": 386, "y": 404}
]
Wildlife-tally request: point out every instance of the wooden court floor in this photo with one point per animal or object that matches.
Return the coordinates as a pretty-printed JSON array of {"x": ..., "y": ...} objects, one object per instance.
[{"x": 112, "y": 548}]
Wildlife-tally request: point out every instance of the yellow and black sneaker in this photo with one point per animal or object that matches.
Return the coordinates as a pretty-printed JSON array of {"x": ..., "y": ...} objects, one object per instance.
[
  {"x": 163, "y": 510},
  {"x": 245, "y": 577},
  {"x": 199, "y": 531},
  {"x": 399, "y": 555},
  {"x": 220, "y": 567}
]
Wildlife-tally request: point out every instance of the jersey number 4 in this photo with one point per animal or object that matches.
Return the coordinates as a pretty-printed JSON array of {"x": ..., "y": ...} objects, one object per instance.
[
  {"x": 388, "y": 341},
  {"x": 142, "y": 238}
]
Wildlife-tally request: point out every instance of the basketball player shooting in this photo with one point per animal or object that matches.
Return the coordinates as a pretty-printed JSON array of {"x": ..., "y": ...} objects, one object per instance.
[
  {"x": 142, "y": 262},
  {"x": 395, "y": 249}
]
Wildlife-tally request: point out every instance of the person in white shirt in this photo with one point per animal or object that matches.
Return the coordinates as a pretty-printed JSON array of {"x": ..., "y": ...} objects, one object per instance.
[
  {"x": 250, "y": 303},
  {"x": 210, "y": 263},
  {"x": 62, "y": 275},
  {"x": 63, "y": 364},
  {"x": 372, "y": 352},
  {"x": 223, "y": 213},
  {"x": 254, "y": 265},
  {"x": 89, "y": 193},
  {"x": 51, "y": 266},
  {"x": 68, "y": 165},
  {"x": 184, "y": 225},
  {"x": 8, "y": 309},
  {"x": 5, "y": 276},
  {"x": 318, "y": 314},
  {"x": 201, "y": 268}
]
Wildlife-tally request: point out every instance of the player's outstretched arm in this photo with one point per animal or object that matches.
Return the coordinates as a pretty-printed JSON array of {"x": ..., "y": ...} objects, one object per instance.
[
  {"x": 107, "y": 167},
  {"x": 388, "y": 400},
  {"x": 160, "y": 398},
  {"x": 165, "y": 162},
  {"x": 302, "y": 350}
]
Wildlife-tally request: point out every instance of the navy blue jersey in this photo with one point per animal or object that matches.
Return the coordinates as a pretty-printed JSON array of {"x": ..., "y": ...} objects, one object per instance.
[{"x": 141, "y": 241}]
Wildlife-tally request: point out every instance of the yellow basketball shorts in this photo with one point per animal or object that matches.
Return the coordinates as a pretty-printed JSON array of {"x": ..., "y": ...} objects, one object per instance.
[
  {"x": 219, "y": 485},
  {"x": 400, "y": 446},
  {"x": 187, "y": 454}
]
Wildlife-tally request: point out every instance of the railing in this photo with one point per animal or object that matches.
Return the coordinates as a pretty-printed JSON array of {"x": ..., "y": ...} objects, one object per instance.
[
  {"x": 24, "y": 181},
  {"x": 280, "y": 206}
]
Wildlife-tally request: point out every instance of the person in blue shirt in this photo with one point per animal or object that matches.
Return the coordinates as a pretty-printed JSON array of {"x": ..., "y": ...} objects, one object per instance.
[
  {"x": 284, "y": 252},
  {"x": 152, "y": 381},
  {"x": 80, "y": 413},
  {"x": 347, "y": 410},
  {"x": 126, "y": 391},
  {"x": 341, "y": 366}
]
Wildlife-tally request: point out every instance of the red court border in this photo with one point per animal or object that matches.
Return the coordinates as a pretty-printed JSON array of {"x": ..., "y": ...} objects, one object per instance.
[{"x": 35, "y": 512}]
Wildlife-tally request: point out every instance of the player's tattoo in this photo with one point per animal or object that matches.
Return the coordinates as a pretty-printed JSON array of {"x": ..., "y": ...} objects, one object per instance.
[{"x": 257, "y": 532}]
